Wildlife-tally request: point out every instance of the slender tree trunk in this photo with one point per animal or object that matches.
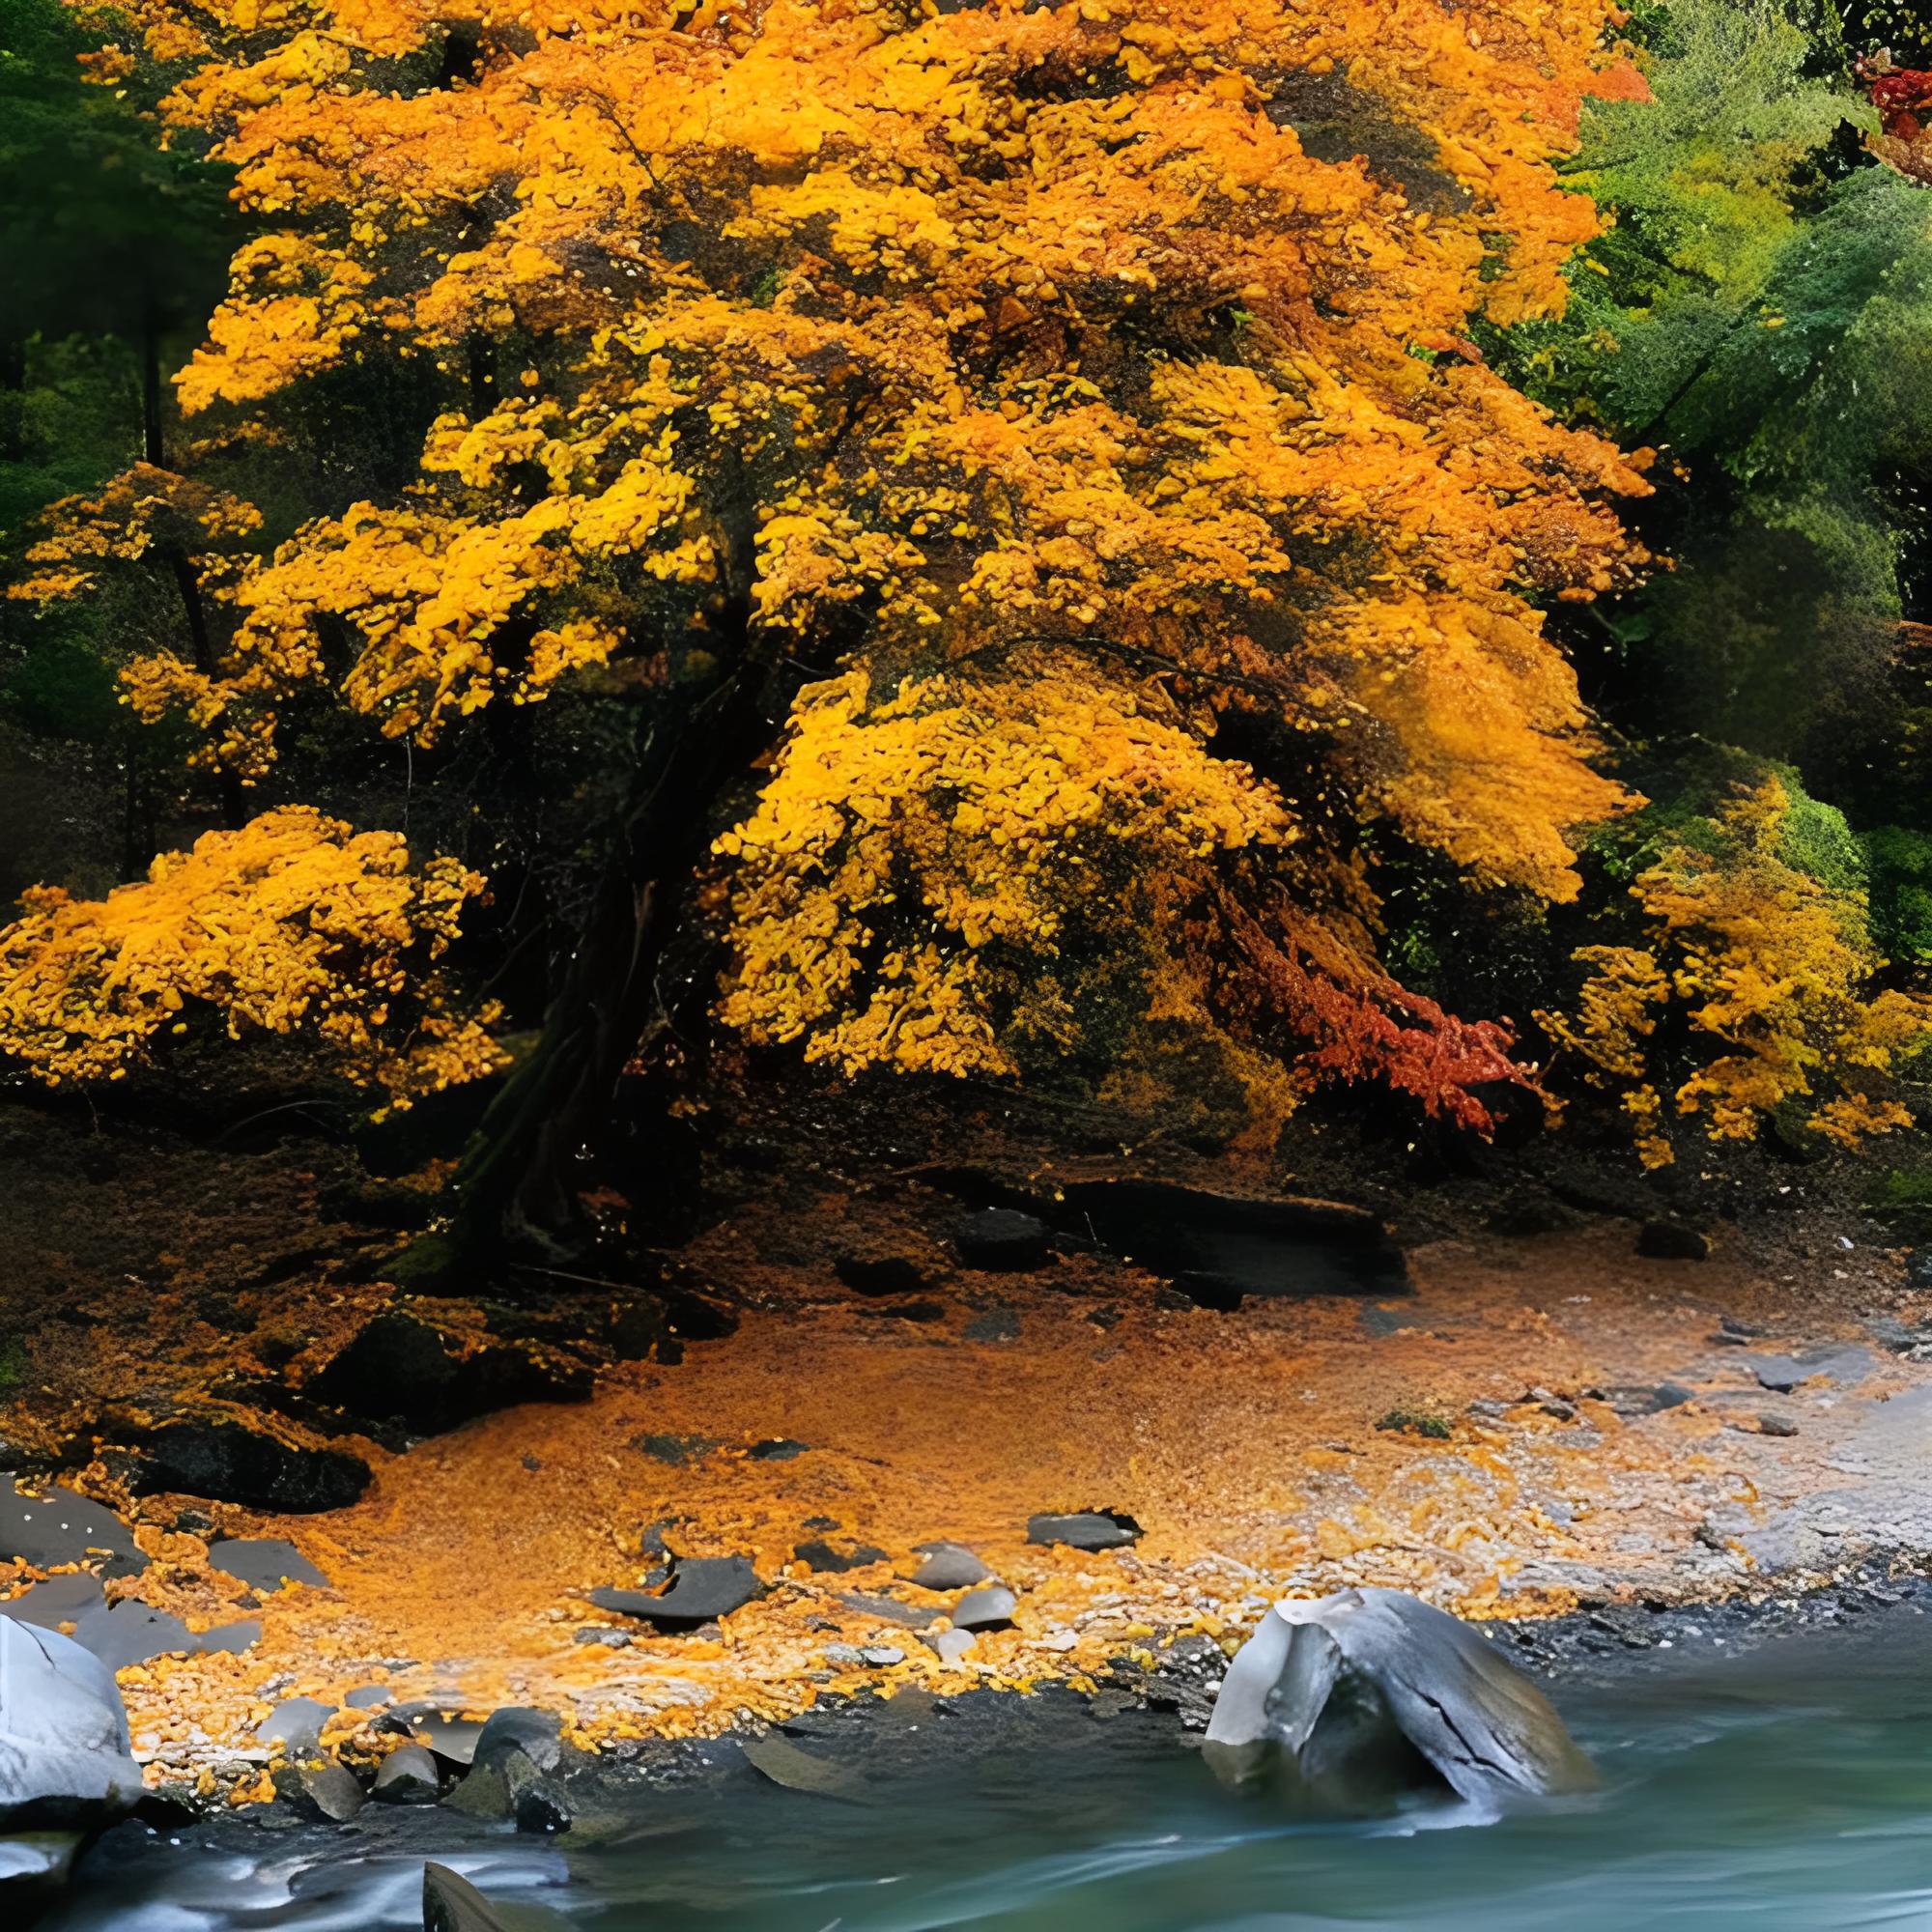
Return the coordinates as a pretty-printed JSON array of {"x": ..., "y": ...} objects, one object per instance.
[{"x": 514, "y": 1187}]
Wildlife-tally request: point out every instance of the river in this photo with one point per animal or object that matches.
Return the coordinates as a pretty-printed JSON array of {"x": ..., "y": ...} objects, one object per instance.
[{"x": 1784, "y": 1790}]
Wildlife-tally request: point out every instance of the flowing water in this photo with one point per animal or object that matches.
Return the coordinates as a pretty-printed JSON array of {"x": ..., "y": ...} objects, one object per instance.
[{"x": 1787, "y": 1788}]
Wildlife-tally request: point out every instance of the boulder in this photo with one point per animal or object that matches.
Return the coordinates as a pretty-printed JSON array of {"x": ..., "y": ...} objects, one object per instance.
[
  {"x": 296, "y": 1724},
  {"x": 1357, "y": 1698},
  {"x": 407, "y": 1775},
  {"x": 319, "y": 1788},
  {"x": 988, "y": 1608},
  {"x": 453, "y": 1904},
  {"x": 403, "y": 1369},
  {"x": 66, "y": 1759},
  {"x": 234, "y": 1461}
]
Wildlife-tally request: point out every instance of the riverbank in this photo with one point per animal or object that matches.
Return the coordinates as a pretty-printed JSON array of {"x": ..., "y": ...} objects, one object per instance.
[{"x": 1543, "y": 1424}]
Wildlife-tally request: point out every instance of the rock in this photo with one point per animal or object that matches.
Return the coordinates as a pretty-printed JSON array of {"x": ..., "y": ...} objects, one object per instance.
[
  {"x": 949, "y": 1566},
  {"x": 1002, "y": 1240},
  {"x": 700, "y": 1588},
  {"x": 1671, "y": 1242},
  {"x": 1215, "y": 1248},
  {"x": 1085, "y": 1529},
  {"x": 66, "y": 1760},
  {"x": 881, "y": 1275},
  {"x": 403, "y": 1369},
  {"x": 1670, "y": 1395},
  {"x": 131, "y": 1632},
  {"x": 542, "y": 1809},
  {"x": 882, "y": 1655},
  {"x": 996, "y": 1325},
  {"x": 889, "y": 1609},
  {"x": 1363, "y": 1693},
  {"x": 450, "y": 1736},
  {"x": 675, "y": 1450},
  {"x": 59, "y": 1527},
  {"x": 777, "y": 1449},
  {"x": 320, "y": 1788},
  {"x": 296, "y": 1724},
  {"x": 518, "y": 1727},
  {"x": 820, "y": 1555},
  {"x": 265, "y": 1562},
  {"x": 785, "y": 1763},
  {"x": 453, "y": 1904},
  {"x": 60, "y": 1599},
  {"x": 909, "y": 1311},
  {"x": 232, "y": 1462},
  {"x": 368, "y": 1698},
  {"x": 1776, "y": 1425},
  {"x": 407, "y": 1775},
  {"x": 949, "y": 1646},
  {"x": 990, "y": 1607},
  {"x": 1846, "y": 1365}
]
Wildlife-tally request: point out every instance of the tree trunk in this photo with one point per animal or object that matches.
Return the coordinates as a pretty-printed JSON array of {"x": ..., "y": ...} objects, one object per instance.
[{"x": 514, "y": 1186}]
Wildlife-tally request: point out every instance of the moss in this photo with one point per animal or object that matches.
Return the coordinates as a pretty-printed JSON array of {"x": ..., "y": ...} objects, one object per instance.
[{"x": 1406, "y": 1421}]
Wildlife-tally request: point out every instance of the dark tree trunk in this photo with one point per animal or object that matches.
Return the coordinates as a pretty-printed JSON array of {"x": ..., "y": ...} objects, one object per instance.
[{"x": 516, "y": 1186}]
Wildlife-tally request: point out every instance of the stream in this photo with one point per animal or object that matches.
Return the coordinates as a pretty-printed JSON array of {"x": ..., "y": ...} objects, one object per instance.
[{"x": 1789, "y": 1787}]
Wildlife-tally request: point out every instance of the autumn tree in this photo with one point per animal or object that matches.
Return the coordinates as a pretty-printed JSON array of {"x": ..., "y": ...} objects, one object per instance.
[{"x": 1019, "y": 476}]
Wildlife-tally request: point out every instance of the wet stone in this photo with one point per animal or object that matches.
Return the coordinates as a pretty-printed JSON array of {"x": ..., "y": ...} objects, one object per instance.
[
  {"x": 700, "y": 1589},
  {"x": 265, "y": 1563},
  {"x": 62, "y": 1527},
  {"x": 134, "y": 1633},
  {"x": 296, "y": 1724},
  {"x": 990, "y": 1607},
  {"x": 453, "y": 1904},
  {"x": 407, "y": 1775},
  {"x": 1085, "y": 1529},
  {"x": 320, "y": 1788},
  {"x": 60, "y": 1599},
  {"x": 949, "y": 1566}
]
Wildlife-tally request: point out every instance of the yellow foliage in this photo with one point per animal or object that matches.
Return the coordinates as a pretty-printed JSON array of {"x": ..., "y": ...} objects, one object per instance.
[
  {"x": 1769, "y": 970},
  {"x": 292, "y": 924}
]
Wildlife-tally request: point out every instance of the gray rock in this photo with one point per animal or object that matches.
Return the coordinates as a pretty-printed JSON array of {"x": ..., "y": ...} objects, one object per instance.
[
  {"x": 949, "y": 1566},
  {"x": 1085, "y": 1529},
  {"x": 407, "y": 1775},
  {"x": 133, "y": 1631},
  {"x": 453, "y": 1904},
  {"x": 368, "y": 1698},
  {"x": 1343, "y": 1693},
  {"x": 1847, "y": 1365},
  {"x": 320, "y": 1788},
  {"x": 61, "y": 1527},
  {"x": 60, "y": 1599},
  {"x": 447, "y": 1732},
  {"x": 785, "y": 1763},
  {"x": 296, "y": 1724},
  {"x": 888, "y": 1608},
  {"x": 66, "y": 1759},
  {"x": 537, "y": 1734},
  {"x": 700, "y": 1588},
  {"x": 541, "y": 1808},
  {"x": 985, "y": 1608},
  {"x": 882, "y": 1655},
  {"x": 265, "y": 1562},
  {"x": 951, "y": 1645},
  {"x": 820, "y": 1555}
]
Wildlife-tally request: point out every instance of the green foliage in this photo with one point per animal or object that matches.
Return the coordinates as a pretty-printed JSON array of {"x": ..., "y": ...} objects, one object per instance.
[
  {"x": 1406, "y": 1421},
  {"x": 1900, "y": 865}
]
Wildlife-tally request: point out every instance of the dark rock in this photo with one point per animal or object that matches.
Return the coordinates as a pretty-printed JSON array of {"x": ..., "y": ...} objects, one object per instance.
[
  {"x": 888, "y": 1608},
  {"x": 909, "y": 1311},
  {"x": 60, "y": 1599},
  {"x": 674, "y": 1450},
  {"x": 1219, "y": 1247},
  {"x": 296, "y": 1724},
  {"x": 777, "y": 1449},
  {"x": 542, "y": 1809},
  {"x": 59, "y": 1527},
  {"x": 453, "y": 1904},
  {"x": 66, "y": 1759},
  {"x": 1919, "y": 1270},
  {"x": 820, "y": 1555},
  {"x": 1002, "y": 1240},
  {"x": 700, "y": 1588},
  {"x": 134, "y": 1633},
  {"x": 1368, "y": 1693},
  {"x": 949, "y": 1566},
  {"x": 1106, "y": 1317},
  {"x": 988, "y": 1608},
  {"x": 996, "y": 1325},
  {"x": 1085, "y": 1529},
  {"x": 1671, "y": 1242},
  {"x": 452, "y": 1737},
  {"x": 518, "y": 1727},
  {"x": 320, "y": 1788},
  {"x": 368, "y": 1698},
  {"x": 1529, "y": 1213},
  {"x": 403, "y": 1369},
  {"x": 407, "y": 1775},
  {"x": 1731, "y": 1329},
  {"x": 1670, "y": 1395},
  {"x": 881, "y": 1275},
  {"x": 265, "y": 1563},
  {"x": 785, "y": 1763},
  {"x": 234, "y": 1463},
  {"x": 1776, "y": 1425}
]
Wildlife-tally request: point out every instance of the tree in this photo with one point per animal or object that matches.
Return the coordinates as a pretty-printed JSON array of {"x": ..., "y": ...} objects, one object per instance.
[{"x": 1067, "y": 414}]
